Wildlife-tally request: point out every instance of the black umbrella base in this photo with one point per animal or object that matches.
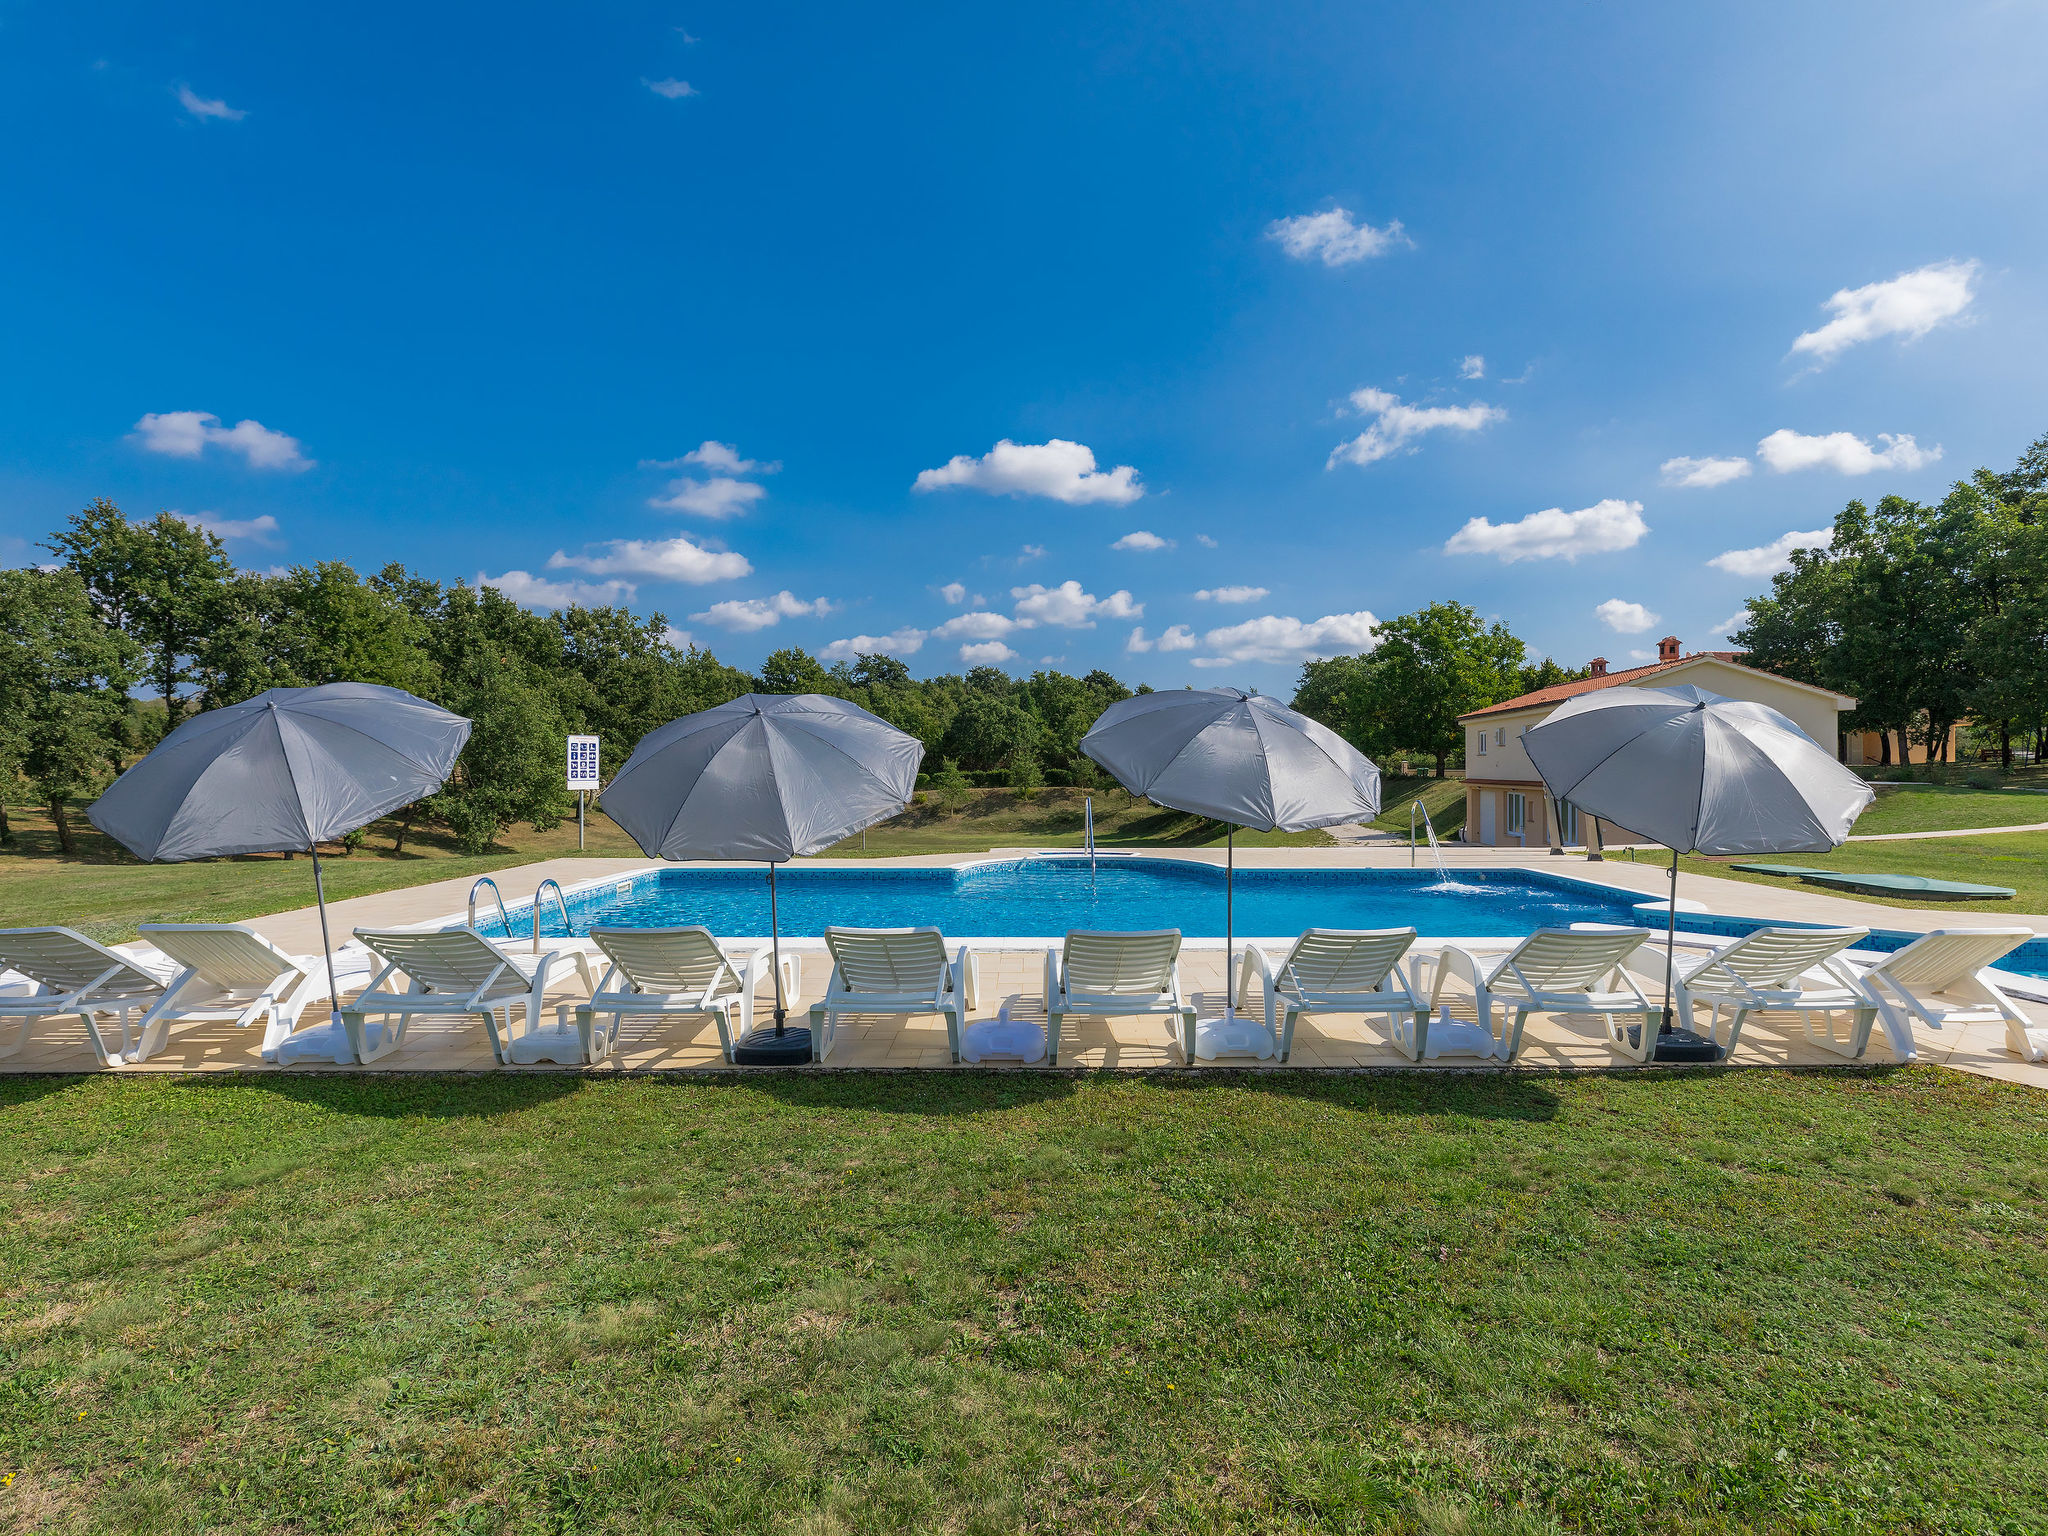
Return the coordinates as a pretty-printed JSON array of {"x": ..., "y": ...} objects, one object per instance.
[
  {"x": 765, "y": 1048},
  {"x": 1680, "y": 1047}
]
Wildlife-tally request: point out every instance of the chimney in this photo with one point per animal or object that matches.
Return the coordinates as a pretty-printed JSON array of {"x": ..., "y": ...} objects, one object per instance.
[
  {"x": 1599, "y": 666},
  {"x": 1667, "y": 648}
]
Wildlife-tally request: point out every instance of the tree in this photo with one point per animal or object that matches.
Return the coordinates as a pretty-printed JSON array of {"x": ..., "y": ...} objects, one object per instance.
[
  {"x": 793, "y": 670},
  {"x": 64, "y": 679},
  {"x": 1432, "y": 666},
  {"x": 1025, "y": 775},
  {"x": 952, "y": 788},
  {"x": 511, "y": 768},
  {"x": 152, "y": 581},
  {"x": 987, "y": 730}
]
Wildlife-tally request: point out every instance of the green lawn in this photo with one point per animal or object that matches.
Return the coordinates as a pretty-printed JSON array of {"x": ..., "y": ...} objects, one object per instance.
[
  {"x": 1053, "y": 818},
  {"x": 1443, "y": 798},
  {"x": 1723, "y": 1303},
  {"x": 2015, "y": 859},
  {"x": 1932, "y": 808}
]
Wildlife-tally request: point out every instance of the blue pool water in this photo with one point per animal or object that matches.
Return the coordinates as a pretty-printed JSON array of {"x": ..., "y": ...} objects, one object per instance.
[{"x": 1044, "y": 897}]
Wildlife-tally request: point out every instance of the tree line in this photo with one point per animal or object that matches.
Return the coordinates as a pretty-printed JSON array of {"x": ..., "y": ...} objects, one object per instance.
[
  {"x": 1930, "y": 615},
  {"x": 157, "y": 609}
]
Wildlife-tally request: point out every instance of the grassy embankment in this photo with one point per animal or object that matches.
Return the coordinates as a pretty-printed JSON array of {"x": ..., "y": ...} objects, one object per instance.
[
  {"x": 106, "y": 893},
  {"x": 985, "y": 1303}
]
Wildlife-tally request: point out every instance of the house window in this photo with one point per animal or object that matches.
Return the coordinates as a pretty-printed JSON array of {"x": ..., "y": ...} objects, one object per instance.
[
  {"x": 1518, "y": 812},
  {"x": 1482, "y": 743},
  {"x": 1568, "y": 825},
  {"x": 1500, "y": 737}
]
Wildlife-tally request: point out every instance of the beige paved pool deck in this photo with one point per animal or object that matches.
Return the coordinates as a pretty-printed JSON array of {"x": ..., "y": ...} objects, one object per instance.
[{"x": 1014, "y": 974}]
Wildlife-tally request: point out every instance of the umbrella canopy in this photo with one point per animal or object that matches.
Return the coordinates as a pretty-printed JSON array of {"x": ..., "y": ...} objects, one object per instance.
[
  {"x": 1697, "y": 772},
  {"x": 769, "y": 776},
  {"x": 283, "y": 771},
  {"x": 1241, "y": 758},
  {"x": 1238, "y": 757}
]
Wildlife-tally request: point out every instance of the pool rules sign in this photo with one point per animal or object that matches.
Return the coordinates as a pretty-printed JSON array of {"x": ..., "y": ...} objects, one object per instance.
[{"x": 582, "y": 775}]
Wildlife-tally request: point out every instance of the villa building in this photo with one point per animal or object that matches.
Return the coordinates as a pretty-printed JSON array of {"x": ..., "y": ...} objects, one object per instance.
[{"x": 1504, "y": 800}]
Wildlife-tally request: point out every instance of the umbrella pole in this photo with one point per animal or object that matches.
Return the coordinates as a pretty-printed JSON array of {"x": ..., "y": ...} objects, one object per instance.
[
  {"x": 326, "y": 944},
  {"x": 775, "y": 938},
  {"x": 1670, "y": 943},
  {"x": 1229, "y": 918}
]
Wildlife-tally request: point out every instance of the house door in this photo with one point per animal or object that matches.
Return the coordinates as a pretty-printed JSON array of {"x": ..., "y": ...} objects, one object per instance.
[{"x": 1486, "y": 816}]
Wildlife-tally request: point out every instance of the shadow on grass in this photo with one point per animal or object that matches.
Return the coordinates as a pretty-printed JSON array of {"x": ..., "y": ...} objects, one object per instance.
[
  {"x": 30, "y": 1086},
  {"x": 403, "y": 1096}
]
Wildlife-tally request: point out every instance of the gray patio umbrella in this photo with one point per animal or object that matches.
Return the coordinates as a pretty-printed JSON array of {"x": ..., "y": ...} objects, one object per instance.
[
  {"x": 1242, "y": 758},
  {"x": 282, "y": 773},
  {"x": 1699, "y": 773},
  {"x": 768, "y": 776}
]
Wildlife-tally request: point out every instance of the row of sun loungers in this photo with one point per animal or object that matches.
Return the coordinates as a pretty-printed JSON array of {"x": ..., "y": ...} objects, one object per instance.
[{"x": 223, "y": 972}]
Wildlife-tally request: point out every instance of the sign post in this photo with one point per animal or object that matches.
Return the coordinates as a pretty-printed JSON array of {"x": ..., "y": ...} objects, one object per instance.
[{"x": 582, "y": 773}]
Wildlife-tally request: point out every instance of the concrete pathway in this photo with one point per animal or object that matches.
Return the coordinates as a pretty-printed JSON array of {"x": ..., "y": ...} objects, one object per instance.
[{"x": 1899, "y": 837}]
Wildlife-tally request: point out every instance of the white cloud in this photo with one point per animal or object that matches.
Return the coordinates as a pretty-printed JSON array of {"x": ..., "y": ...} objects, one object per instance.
[
  {"x": 1285, "y": 639},
  {"x": 1699, "y": 474},
  {"x": 187, "y": 434},
  {"x": 1231, "y": 594},
  {"x": 201, "y": 108},
  {"x": 976, "y": 626},
  {"x": 1205, "y": 541},
  {"x": 953, "y": 592},
  {"x": 720, "y": 496},
  {"x": 1732, "y": 623},
  {"x": 744, "y": 615},
  {"x": 539, "y": 592},
  {"x": 1066, "y": 606},
  {"x": 1625, "y": 618},
  {"x": 257, "y": 530},
  {"x": 990, "y": 653},
  {"x": 1059, "y": 469},
  {"x": 1769, "y": 559},
  {"x": 719, "y": 458},
  {"x": 1177, "y": 638},
  {"x": 898, "y": 642},
  {"x": 1473, "y": 367},
  {"x": 681, "y": 639},
  {"x": 671, "y": 88},
  {"x": 1398, "y": 425},
  {"x": 1785, "y": 451},
  {"x": 676, "y": 559},
  {"x": 1909, "y": 305},
  {"x": 1141, "y": 540},
  {"x": 1333, "y": 237},
  {"x": 1554, "y": 534},
  {"x": 1029, "y": 553}
]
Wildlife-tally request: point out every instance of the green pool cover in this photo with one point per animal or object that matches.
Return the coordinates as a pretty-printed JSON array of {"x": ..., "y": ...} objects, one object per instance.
[{"x": 1886, "y": 885}]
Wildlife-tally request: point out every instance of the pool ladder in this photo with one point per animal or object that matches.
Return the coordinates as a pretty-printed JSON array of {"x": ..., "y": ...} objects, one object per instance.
[{"x": 504, "y": 919}]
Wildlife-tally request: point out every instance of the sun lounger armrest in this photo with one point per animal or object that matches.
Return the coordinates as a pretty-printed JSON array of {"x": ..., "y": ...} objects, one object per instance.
[
  {"x": 1052, "y": 977},
  {"x": 1255, "y": 961}
]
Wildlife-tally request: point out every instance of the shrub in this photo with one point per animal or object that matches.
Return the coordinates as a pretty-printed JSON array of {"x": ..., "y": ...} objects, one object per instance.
[
  {"x": 1981, "y": 778},
  {"x": 951, "y": 788},
  {"x": 1025, "y": 775}
]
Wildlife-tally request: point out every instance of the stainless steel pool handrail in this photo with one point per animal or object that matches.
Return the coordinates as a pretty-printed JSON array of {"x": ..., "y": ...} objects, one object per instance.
[
  {"x": 561, "y": 902},
  {"x": 503, "y": 918}
]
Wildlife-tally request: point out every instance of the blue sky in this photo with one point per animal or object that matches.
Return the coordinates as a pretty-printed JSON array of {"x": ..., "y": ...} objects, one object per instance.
[{"x": 726, "y": 309}]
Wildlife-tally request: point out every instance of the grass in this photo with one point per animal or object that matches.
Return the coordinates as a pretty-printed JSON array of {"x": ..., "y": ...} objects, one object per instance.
[
  {"x": 986, "y": 1303},
  {"x": 1053, "y": 818},
  {"x": 1940, "y": 808},
  {"x": 2015, "y": 859},
  {"x": 104, "y": 892},
  {"x": 1444, "y": 799}
]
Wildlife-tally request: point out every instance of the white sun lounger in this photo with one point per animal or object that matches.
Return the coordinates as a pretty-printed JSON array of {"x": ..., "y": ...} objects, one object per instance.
[
  {"x": 1939, "y": 979},
  {"x": 227, "y": 972},
  {"x": 72, "y": 974},
  {"x": 664, "y": 973},
  {"x": 452, "y": 972},
  {"x": 1115, "y": 976},
  {"x": 893, "y": 971},
  {"x": 1556, "y": 970},
  {"x": 1339, "y": 970},
  {"x": 1792, "y": 970}
]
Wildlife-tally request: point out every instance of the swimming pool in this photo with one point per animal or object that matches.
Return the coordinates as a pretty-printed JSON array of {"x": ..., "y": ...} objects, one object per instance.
[{"x": 1042, "y": 897}]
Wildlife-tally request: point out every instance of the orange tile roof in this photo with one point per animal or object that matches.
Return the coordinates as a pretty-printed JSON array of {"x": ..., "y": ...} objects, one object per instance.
[{"x": 1557, "y": 693}]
